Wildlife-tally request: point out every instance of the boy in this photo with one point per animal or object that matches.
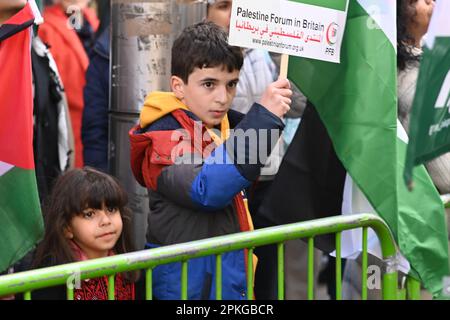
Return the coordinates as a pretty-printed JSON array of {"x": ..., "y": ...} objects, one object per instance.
[{"x": 194, "y": 186}]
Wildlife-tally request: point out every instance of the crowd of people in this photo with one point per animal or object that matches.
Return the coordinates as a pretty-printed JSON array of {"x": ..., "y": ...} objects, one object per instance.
[{"x": 202, "y": 192}]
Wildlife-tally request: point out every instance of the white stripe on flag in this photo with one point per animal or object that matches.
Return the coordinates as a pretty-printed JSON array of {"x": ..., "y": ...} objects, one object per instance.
[
  {"x": 384, "y": 13},
  {"x": 5, "y": 167},
  {"x": 439, "y": 25},
  {"x": 355, "y": 202},
  {"x": 401, "y": 132},
  {"x": 37, "y": 14}
]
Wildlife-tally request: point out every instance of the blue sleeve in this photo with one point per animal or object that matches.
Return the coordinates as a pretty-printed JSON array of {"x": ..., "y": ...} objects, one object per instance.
[
  {"x": 218, "y": 181},
  {"x": 265, "y": 128},
  {"x": 198, "y": 184},
  {"x": 211, "y": 184}
]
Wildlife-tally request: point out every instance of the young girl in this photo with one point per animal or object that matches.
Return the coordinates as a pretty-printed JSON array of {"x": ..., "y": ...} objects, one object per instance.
[{"x": 86, "y": 218}]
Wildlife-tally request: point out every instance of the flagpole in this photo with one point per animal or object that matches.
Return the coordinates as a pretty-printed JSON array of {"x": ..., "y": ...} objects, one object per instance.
[{"x": 284, "y": 66}]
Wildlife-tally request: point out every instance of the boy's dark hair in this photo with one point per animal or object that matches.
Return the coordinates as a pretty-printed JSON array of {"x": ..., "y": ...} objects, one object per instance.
[
  {"x": 73, "y": 192},
  {"x": 204, "y": 45}
]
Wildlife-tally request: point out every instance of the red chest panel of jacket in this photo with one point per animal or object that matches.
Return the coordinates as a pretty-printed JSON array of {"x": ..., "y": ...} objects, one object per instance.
[{"x": 152, "y": 151}]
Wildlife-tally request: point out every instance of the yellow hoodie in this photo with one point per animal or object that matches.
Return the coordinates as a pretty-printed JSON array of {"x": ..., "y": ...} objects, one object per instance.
[{"x": 158, "y": 104}]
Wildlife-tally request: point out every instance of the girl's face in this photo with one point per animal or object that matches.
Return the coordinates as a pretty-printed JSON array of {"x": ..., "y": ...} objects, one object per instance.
[
  {"x": 421, "y": 17},
  {"x": 95, "y": 231}
]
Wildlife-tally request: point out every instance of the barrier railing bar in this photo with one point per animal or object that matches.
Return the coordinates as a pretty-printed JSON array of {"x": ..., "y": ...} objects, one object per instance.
[
  {"x": 57, "y": 275},
  {"x": 280, "y": 257},
  {"x": 338, "y": 266},
  {"x": 219, "y": 277},
  {"x": 311, "y": 268},
  {"x": 184, "y": 280},
  {"x": 70, "y": 294},
  {"x": 364, "y": 265},
  {"x": 250, "y": 274},
  {"x": 111, "y": 287},
  {"x": 149, "y": 284}
]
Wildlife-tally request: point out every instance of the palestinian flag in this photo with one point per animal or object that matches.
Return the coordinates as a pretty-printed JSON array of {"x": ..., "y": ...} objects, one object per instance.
[
  {"x": 20, "y": 215},
  {"x": 354, "y": 129}
]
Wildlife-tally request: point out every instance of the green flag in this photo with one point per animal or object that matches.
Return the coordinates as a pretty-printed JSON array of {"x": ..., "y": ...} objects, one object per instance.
[
  {"x": 430, "y": 117},
  {"x": 357, "y": 102}
]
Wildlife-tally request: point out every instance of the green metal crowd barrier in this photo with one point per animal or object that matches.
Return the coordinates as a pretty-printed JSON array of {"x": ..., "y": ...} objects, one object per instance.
[{"x": 27, "y": 282}]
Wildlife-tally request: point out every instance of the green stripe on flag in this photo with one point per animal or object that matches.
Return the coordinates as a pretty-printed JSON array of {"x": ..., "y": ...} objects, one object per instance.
[
  {"x": 340, "y": 5},
  {"x": 422, "y": 225},
  {"x": 357, "y": 101},
  {"x": 21, "y": 224}
]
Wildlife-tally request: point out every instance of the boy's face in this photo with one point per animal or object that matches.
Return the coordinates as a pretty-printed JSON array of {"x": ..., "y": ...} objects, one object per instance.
[
  {"x": 220, "y": 13},
  {"x": 208, "y": 93}
]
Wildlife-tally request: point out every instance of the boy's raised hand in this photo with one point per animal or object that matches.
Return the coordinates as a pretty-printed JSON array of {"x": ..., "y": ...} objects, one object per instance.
[{"x": 277, "y": 97}]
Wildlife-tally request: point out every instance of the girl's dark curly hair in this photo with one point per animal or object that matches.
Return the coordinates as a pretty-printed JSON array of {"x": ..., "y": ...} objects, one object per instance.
[{"x": 405, "y": 17}]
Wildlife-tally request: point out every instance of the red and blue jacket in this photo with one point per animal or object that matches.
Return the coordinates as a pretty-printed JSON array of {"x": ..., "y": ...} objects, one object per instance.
[{"x": 195, "y": 189}]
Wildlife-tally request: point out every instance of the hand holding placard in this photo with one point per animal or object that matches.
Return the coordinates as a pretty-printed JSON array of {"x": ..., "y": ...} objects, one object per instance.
[{"x": 277, "y": 97}]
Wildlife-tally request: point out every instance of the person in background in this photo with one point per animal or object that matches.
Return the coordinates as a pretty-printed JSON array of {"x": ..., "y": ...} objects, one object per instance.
[
  {"x": 68, "y": 30},
  {"x": 415, "y": 19},
  {"x": 8, "y": 8},
  {"x": 52, "y": 130},
  {"x": 94, "y": 131},
  {"x": 413, "y": 26}
]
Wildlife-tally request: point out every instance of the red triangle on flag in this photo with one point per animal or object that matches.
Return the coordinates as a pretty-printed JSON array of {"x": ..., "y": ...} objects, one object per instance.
[{"x": 16, "y": 96}]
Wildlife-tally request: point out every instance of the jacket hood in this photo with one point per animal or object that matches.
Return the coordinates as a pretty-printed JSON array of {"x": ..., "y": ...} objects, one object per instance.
[{"x": 157, "y": 105}]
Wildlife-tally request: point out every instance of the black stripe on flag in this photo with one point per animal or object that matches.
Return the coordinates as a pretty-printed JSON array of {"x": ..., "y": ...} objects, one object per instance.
[
  {"x": 8, "y": 30},
  {"x": 310, "y": 182}
]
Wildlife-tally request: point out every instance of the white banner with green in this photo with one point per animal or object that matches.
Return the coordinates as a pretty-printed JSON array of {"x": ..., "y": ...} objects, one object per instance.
[{"x": 311, "y": 29}]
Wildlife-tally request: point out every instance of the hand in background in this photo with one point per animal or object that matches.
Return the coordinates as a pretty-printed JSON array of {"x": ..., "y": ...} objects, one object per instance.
[{"x": 8, "y": 8}]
